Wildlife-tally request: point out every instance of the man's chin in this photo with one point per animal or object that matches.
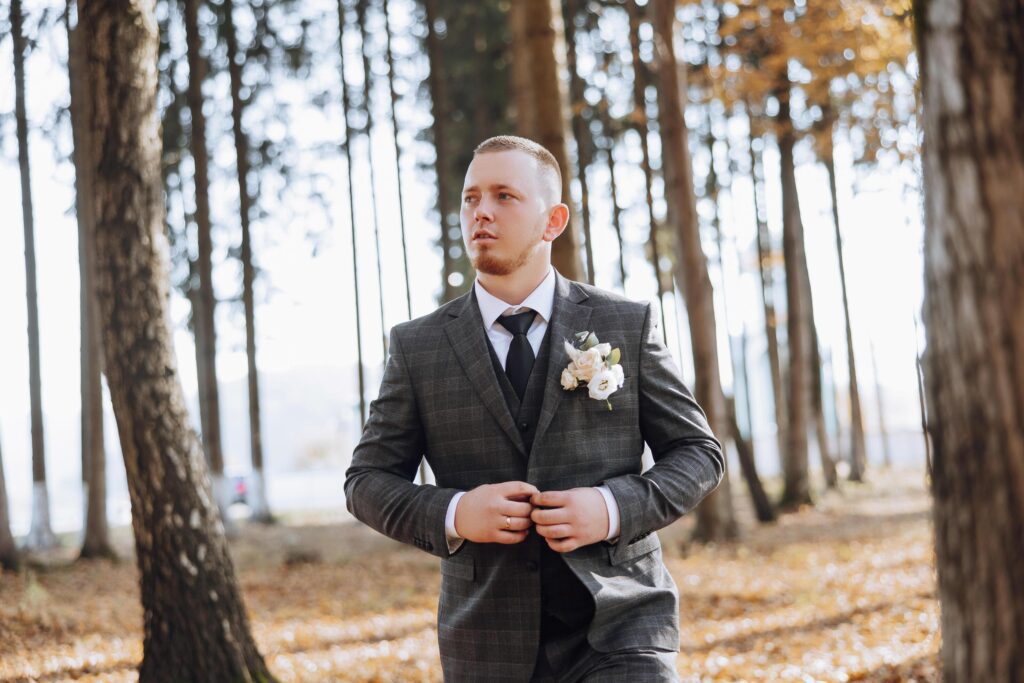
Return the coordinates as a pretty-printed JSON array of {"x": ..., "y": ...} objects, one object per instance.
[{"x": 490, "y": 265}]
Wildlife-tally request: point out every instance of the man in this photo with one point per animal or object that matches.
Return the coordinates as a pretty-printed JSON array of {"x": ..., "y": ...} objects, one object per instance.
[{"x": 544, "y": 523}]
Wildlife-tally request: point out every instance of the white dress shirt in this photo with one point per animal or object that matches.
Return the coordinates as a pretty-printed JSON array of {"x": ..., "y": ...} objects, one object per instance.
[{"x": 540, "y": 300}]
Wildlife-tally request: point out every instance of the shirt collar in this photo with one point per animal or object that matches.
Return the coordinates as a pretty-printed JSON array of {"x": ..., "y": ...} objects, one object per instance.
[{"x": 541, "y": 299}]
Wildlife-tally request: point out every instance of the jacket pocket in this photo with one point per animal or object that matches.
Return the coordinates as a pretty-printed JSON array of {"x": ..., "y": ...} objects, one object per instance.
[
  {"x": 459, "y": 566},
  {"x": 643, "y": 546}
]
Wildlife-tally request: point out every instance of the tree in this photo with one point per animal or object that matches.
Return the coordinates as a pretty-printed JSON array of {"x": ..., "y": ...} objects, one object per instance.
[
  {"x": 9, "y": 556},
  {"x": 258, "y": 497},
  {"x": 203, "y": 298},
  {"x": 195, "y": 623},
  {"x": 96, "y": 539},
  {"x": 972, "y": 62},
  {"x": 541, "y": 105},
  {"x": 40, "y": 535},
  {"x": 715, "y": 518}
]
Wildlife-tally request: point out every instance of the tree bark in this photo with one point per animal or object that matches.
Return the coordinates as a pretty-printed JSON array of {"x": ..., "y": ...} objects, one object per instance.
[
  {"x": 763, "y": 508},
  {"x": 580, "y": 129},
  {"x": 766, "y": 268},
  {"x": 538, "y": 40},
  {"x": 346, "y": 107},
  {"x": 40, "y": 535},
  {"x": 639, "y": 121},
  {"x": 439, "y": 114},
  {"x": 10, "y": 558},
  {"x": 204, "y": 300},
  {"x": 715, "y": 519},
  {"x": 797, "y": 489},
  {"x": 257, "y": 497},
  {"x": 96, "y": 539},
  {"x": 972, "y": 66},
  {"x": 195, "y": 625},
  {"x": 858, "y": 451}
]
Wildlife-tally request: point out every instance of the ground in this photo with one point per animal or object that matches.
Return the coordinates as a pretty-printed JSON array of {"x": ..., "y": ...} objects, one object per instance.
[{"x": 844, "y": 591}]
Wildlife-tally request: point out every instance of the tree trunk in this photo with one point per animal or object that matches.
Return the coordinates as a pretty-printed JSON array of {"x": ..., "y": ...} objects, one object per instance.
[
  {"x": 858, "y": 452},
  {"x": 766, "y": 268},
  {"x": 96, "y": 539},
  {"x": 439, "y": 113},
  {"x": 639, "y": 120},
  {"x": 580, "y": 129},
  {"x": 40, "y": 536},
  {"x": 257, "y": 497},
  {"x": 609, "y": 134},
  {"x": 195, "y": 625},
  {"x": 10, "y": 558},
  {"x": 398, "y": 158},
  {"x": 972, "y": 64},
  {"x": 538, "y": 40},
  {"x": 715, "y": 519},
  {"x": 368, "y": 131},
  {"x": 797, "y": 489},
  {"x": 204, "y": 300},
  {"x": 346, "y": 107},
  {"x": 763, "y": 508},
  {"x": 817, "y": 370},
  {"x": 883, "y": 431}
]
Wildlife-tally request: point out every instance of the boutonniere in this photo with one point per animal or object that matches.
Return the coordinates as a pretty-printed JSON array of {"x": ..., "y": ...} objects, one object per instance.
[{"x": 594, "y": 365}]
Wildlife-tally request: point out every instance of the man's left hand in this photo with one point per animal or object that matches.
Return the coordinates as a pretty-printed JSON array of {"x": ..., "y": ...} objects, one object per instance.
[{"x": 570, "y": 519}]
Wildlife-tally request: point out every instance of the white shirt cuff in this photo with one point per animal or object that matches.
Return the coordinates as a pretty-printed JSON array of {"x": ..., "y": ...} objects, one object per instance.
[
  {"x": 454, "y": 540},
  {"x": 613, "y": 513}
]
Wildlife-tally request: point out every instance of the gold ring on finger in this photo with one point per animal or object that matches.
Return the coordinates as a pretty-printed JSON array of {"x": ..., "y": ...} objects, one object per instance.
[{"x": 508, "y": 522}]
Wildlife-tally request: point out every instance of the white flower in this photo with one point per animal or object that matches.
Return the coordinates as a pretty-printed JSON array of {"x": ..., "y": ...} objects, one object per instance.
[
  {"x": 602, "y": 385},
  {"x": 572, "y": 351},
  {"x": 604, "y": 349},
  {"x": 620, "y": 378},
  {"x": 588, "y": 364},
  {"x": 569, "y": 381}
]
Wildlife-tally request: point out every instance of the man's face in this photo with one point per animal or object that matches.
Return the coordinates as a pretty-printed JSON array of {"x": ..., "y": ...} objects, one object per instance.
[{"x": 506, "y": 212}]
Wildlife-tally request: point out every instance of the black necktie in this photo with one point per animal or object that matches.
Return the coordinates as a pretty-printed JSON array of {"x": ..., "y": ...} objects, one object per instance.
[{"x": 520, "y": 354}]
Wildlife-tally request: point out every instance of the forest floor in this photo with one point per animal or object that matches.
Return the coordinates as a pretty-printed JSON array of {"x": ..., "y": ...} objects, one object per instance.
[{"x": 843, "y": 591}]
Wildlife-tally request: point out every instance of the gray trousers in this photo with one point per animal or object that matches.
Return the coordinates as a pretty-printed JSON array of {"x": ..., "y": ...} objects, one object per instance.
[{"x": 570, "y": 659}]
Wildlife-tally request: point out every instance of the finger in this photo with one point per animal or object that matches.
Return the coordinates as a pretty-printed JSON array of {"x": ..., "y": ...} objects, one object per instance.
[
  {"x": 552, "y": 516},
  {"x": 517, "y": 490},
  {"x": 550, "y": 498},
  {"x": 562, "y": 545},
  {"x": 555, "y": 531},
  {"x": 510, "y": 537},
  {"x": 515, "y": 523},
  {"x": 515, "y": 509}
]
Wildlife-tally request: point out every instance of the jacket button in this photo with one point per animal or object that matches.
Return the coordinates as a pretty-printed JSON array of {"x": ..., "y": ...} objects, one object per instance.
[
  {"x": 531, "y": 566},
  {"x": 523, "y": 426}
]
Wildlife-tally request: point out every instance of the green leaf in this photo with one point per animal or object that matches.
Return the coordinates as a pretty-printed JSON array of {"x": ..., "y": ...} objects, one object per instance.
[
  {"x": 613, "y": 357},
  {"x": 590, "y": 342}
]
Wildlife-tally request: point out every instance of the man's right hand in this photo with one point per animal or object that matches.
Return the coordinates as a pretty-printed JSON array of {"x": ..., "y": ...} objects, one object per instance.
[{"x": 495, "y": 513}]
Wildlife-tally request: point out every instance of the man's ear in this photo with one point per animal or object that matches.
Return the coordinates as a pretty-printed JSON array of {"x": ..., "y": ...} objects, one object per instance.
[{"x": 558, "y": 219}]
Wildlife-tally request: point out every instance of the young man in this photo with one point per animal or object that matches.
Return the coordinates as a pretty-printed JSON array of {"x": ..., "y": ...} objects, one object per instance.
[{"x": 541, "y": 515}]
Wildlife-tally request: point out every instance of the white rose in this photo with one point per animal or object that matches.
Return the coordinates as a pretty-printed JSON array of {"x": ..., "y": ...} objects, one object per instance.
[
  {"x": 620, "y": 378},
  {"x": 602, "y": 385},
  {"x": 569, "y": 381},
  {"x": 571, "y": 351},
  {"x": 588, "y": 364},
  {"x": 604, "y": 349}
]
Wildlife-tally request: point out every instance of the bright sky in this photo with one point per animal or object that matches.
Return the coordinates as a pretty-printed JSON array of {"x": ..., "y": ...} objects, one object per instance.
[{"x": 307, "y": 319}]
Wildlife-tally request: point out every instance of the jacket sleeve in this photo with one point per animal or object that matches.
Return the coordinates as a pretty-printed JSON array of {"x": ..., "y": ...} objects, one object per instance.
[
  {"x": 688, "y": 458},
  {"x": 379, "y": 488}
]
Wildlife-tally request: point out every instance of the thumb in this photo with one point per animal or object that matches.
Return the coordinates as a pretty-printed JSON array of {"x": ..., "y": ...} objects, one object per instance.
[{"x": 518, "y": 489}]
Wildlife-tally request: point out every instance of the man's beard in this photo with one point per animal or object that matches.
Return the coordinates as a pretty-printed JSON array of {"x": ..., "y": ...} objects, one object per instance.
[{"x": 485, "y": 262}]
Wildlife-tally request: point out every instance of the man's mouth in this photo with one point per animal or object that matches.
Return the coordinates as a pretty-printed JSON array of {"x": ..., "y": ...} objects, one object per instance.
[{"x": 483, "y": 236}]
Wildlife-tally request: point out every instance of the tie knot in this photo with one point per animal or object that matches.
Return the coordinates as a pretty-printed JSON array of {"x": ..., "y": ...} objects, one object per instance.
[{"x": 518, "y": 323}]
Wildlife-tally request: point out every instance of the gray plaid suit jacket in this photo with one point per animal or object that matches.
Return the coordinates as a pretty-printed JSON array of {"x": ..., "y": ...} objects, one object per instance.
[{"x": 440, "y": 399}]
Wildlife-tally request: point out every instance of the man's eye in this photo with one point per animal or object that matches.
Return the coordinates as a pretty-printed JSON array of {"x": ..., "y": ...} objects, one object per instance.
[
  {"x": 504, "y": 195},
  {"x": 467, "y": 199}
]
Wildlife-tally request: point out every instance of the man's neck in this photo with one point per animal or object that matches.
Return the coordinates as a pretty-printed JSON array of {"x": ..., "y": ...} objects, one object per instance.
[{"x": 515, "y": 287}]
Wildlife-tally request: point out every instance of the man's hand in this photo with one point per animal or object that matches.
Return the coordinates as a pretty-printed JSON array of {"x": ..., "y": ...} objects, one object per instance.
[
  {"x": 496, "y": 513},
  {"x": 573, "y": 518}
]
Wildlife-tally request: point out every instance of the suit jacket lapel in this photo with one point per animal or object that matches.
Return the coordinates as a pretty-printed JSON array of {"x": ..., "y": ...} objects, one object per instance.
[
  {"x": 567, "y": 318},
  {"x": 466, "y": 334}
]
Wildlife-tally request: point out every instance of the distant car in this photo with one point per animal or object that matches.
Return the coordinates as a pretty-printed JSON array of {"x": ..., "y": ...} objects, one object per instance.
[{"x": 239, "y": 490}]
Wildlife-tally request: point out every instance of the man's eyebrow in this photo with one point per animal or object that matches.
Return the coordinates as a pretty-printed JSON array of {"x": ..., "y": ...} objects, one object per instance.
[{"x": 496, "y": 186}]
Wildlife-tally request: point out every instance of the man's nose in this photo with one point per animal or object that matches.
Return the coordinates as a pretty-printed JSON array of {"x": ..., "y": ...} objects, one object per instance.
[{"x": 482, "y": 213}]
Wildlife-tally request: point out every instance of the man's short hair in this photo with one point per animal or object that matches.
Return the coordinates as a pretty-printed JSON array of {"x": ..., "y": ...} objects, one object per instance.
[{"x": 546, "y": 160}]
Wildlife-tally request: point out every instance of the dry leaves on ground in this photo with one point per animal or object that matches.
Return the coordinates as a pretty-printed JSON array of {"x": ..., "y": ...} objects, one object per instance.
[{"x": 844, "y": 591}]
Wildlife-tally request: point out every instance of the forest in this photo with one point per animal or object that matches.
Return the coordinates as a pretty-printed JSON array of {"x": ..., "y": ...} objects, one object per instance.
[{"x": 226, "y": 207}]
